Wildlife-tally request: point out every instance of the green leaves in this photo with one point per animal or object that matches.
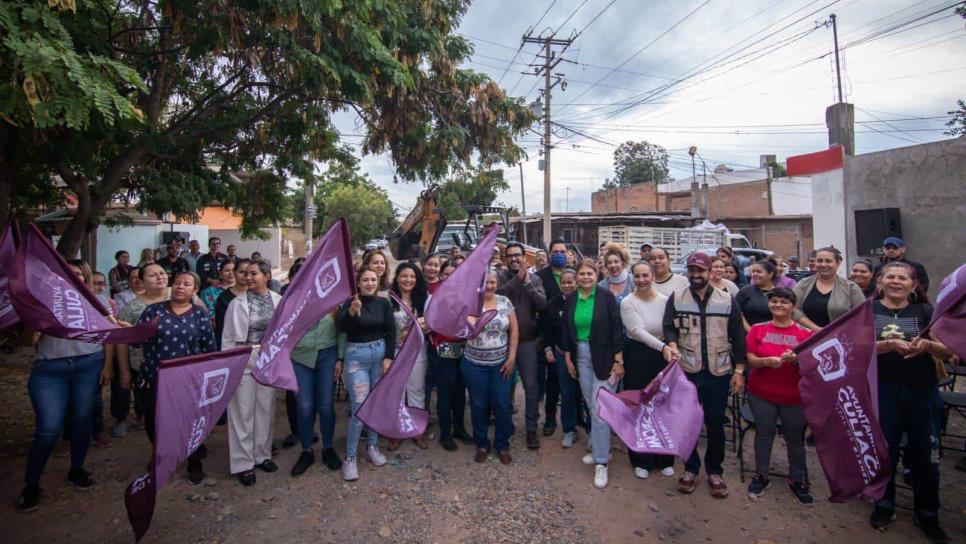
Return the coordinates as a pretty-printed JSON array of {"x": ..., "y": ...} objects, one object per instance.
[{"x": 638, "y": 162}]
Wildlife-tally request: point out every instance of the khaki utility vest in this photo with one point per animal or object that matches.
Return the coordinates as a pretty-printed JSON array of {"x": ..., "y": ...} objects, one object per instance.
[{"x": 688, "y": 323}]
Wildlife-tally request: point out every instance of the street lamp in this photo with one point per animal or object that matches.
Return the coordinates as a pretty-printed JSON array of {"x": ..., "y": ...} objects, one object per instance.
[{"x": 695, "y": 211}]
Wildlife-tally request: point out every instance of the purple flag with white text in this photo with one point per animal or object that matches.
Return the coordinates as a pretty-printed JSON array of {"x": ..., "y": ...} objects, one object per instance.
[
  {"x": 949, "y": 316},
  {"x": 324, "y": 281},
  {"x": 8, "y": 253},
  {"x": 192, "y": 393},
  {"x": 385, "y": 410},
  {"x": 49, "y": 298},
  {"x": 839, "y": 388},
  {"x": 664, "y": 418},
  {"x": 461, "y": 294}
]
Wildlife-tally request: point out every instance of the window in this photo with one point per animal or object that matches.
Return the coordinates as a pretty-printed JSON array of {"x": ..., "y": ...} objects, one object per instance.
[{"x": 567, "y": 235}]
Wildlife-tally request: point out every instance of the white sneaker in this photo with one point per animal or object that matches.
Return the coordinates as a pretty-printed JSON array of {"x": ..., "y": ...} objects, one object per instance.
[
  {"x": 600, "y": 476},
  {"x": 375, "y": 456},
  {"x": 569, "y": 439},
  {"x": 350, "y": 469},
  {"x": 641, "y": 473},
  {"x": 589, "y": 459},
  {"x": 667, "y": 471}
]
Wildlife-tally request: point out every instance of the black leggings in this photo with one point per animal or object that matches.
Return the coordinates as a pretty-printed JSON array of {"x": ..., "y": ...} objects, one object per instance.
[{"x": 641, "y": 365}]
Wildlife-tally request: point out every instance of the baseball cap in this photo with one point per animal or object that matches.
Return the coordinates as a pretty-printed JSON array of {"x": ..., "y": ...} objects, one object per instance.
[
  {"x": 645, "y": 244},
  {"x": 700, "y": 260},
  {"x": 792, "y": 259},
  {"x": 893, "y": 241}
]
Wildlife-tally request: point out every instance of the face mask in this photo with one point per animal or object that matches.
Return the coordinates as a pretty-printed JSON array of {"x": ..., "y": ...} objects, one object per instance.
[{"x": 558, "y": 260}]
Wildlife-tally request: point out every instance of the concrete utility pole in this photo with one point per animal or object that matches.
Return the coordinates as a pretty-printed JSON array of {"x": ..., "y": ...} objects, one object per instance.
[
  {"x": 550, "y": 61},
  {"x": 838, "y": 69},
  {"x": 695, "y": 203},
  {"x": 310, "y": 213},
  {"x": 523, "y": 204}
]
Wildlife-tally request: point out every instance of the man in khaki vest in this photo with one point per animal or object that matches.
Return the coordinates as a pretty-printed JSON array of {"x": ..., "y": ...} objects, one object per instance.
[{"x": 703, "y": 328}]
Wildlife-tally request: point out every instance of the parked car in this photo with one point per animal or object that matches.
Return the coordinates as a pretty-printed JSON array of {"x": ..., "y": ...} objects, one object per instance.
[{"x": 743, "y": 255}]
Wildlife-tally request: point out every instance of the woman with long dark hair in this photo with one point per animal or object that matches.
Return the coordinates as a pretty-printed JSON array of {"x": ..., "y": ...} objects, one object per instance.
[
  {"x": 863, "y": 274},
  {"x": 229, "y": 294},
  {"x": 908, "y": 394},
  {"x": 370, "y": 330},
  {"x": 376, "y": 261},
  {"x": 252, "y": 408},
  {"x": 825, "y": 296},
  {"x": 551, "y": 335},
  {"x": 409, "y": 287}
]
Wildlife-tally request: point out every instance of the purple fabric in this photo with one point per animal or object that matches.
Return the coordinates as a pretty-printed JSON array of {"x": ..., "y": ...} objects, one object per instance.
[
  {"x": 839, "y": 390},
  {"x": 949, "y": 316},
  {"x": 192, "y": 393},
  {"x": 385, "y": 410},
  {"x": 664, "y": 418},
  {"x": 786, "y": 282},
  {"x": 50, "y": 299},
  {"x": 461, "y": 294},
  {"x": 8, "y": 253},
  {"x": 323, "y": 282}
]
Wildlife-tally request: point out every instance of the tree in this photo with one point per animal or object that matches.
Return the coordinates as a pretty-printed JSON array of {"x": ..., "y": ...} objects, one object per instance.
[
  {"x": 639, "y": 162},
  {"x": 338, "y": 174},
  {"x": 479, "y": 187},
  {"x": 164, "y": 103},
  {"x": 957, "y": 125},
  {"x": 365, "y": 206},
  {"x": 778, "y": 170}
]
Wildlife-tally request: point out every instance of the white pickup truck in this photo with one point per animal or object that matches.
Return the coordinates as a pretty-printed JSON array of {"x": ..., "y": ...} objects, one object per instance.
[{"x": 677, "y": 242}]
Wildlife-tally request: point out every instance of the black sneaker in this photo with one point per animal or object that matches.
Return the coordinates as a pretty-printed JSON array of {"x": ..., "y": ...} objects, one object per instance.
[
  {"x": 29, "y": 499},
  {"x": 549, "y": 428},
  {"x": 247, "y": 478},
  {"x": 800, "y": 490},
  {"x": 306, "y": 459},
  {"x": 448, "y": 443},
  {"x": 267, "y": 465},
  {"x": 881, "y": 518},
  {"x": 532, "y": 441},
  {"x": 80, "y": 478},
  {"x": 331, "y": 459},
  {"x": 196, "y": 473},
  {"x": 289, "y": 441},
  {"x": 460, "y": 434},
  {"x": 758, "y": 485},
  {"x": 930, "y": 526}
]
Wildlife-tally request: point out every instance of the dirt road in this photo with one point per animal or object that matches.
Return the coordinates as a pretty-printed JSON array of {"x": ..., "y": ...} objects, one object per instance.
[{"x": 426, "y": 496}]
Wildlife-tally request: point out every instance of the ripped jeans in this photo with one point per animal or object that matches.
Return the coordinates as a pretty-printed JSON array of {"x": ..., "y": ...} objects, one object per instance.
[{"x": 362, "y": 369}]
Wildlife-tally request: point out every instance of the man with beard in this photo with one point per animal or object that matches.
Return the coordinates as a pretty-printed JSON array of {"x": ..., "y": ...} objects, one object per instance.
[
  {"x": 894, "y": 250},
  {"x": 705, "y": 334},
  {"x": 527, "y": 294}
]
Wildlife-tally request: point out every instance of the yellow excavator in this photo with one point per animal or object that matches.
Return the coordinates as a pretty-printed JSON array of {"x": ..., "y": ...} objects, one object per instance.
[{"x": 426, "y": 231}]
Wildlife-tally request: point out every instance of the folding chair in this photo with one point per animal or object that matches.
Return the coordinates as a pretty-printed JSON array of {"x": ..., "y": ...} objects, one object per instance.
[{"x": 953, "y": 401}]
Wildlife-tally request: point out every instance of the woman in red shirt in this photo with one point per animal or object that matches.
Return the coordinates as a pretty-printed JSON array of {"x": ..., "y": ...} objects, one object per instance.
[{"x": 773, "y": 393}]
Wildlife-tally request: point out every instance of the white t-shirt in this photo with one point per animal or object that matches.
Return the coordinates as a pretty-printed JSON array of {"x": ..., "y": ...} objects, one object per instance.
[
  {"x": 644, "y": 320},
  {"x": 674, "y": 283}
]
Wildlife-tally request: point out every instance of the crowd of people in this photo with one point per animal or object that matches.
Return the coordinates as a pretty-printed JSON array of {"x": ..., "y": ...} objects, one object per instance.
[{"x": 565, "y": 327}]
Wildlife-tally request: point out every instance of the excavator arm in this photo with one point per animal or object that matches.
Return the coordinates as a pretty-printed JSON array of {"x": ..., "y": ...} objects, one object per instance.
[{"x": 416, "y": 236}]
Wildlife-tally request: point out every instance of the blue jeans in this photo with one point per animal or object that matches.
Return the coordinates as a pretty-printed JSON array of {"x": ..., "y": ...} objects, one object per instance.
[
  {"x": 713, "y": 392},
  {"x": 489, "y": 390},
  {"x": 316, "y": 395},
  {"x": 56, "y": 386},
  {"x": 914, "y": 410},
  {"x": 568, "y": 393},
  {"x": 363, "y": 367},
  {"x": 589, "y": 384}
]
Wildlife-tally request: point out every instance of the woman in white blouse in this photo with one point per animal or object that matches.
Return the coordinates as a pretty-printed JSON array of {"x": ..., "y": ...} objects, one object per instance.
[{"x": 642, "y": 314}]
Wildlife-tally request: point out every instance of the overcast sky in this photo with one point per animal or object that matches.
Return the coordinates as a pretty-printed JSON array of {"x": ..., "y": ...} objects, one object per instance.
[{"x": 763, "y": 93}]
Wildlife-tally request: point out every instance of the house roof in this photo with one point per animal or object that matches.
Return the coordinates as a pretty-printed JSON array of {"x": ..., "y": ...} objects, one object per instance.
[{"x": 583, "y": 216}]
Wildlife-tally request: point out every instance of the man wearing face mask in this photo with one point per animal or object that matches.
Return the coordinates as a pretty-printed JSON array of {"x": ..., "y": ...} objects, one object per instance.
[
  {"x": 705, "y": 334},
  {"x": 526, "y": 292},
  {"x": 550, "y": 277}
]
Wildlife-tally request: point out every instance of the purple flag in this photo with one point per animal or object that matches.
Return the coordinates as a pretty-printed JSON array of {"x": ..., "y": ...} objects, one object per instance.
[
  {"x": 461, "y": 294},
  {"x": 192, "y": 393},
  {"x": 664, "y": 418},
  {"x": 949, "y": 316},
  {"x": 839, "y": 388},
  {"x": 8, "y": 253},
  {"x": 324, "y": 281},
  {"x": 50, "y": 299},
  {"x": 385, "y": 410}
]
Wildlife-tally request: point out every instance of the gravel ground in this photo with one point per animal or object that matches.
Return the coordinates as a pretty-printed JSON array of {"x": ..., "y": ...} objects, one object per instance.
[{"x": 426, "y": 496}]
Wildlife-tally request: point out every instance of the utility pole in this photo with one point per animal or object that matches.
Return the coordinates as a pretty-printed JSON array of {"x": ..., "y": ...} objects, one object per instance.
[
  {"x": 523, "y": 204},
  {"x": 838, "y": 67},
  {"x": 551, "y": 80},
  {"x": 695, "y": 203},
  {"x": 567, "y": 205},
  {"x": 310, "y": 212}
]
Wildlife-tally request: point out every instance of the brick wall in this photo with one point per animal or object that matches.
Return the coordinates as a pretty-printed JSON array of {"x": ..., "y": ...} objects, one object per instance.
[
  {"x": 739, "y": 200},
  {"x": 635, "y": 198},
  {"x": 733, "y": 200},
  {"x": 784, "y": 236}
]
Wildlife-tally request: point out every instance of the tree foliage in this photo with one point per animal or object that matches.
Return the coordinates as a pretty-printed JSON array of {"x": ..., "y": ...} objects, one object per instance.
[
  {"x": 479, "y": 187},
  {"x": 639, "y": 162},
  {"x": 957, "y": 125},
  {"x": 178, "y": 104},
  {"x": 365, "y": 206}
]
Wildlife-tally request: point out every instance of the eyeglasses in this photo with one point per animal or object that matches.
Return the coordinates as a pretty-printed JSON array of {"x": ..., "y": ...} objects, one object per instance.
[{"x": 514, "y": 255}]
